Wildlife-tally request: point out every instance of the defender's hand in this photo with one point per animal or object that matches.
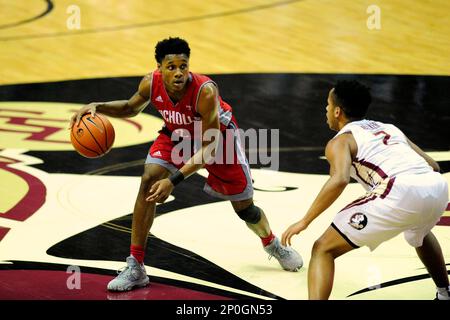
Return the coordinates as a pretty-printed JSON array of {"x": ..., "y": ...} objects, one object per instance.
[
  {"x": 294, "y": 229},
  {"x": 160, "y": 191},
  {"x": 91, "y": 107}
]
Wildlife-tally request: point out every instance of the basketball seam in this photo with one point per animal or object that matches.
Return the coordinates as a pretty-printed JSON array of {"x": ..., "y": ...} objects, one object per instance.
[
  {"x": 106, "y": 133},
  {"x": 93, "y": 136},
  {"x": 75, "y": 137}
]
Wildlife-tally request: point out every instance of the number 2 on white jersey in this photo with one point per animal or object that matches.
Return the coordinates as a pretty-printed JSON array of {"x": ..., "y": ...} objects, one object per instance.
[{"x": 386, "y": 138}]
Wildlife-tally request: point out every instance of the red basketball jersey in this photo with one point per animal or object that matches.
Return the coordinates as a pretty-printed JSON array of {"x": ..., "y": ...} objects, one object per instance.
[{"x": 182, "y": 114}]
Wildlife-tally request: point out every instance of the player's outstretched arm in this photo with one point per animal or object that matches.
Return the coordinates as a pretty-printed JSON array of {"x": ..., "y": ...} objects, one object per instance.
[
  {"x": 339, "y": 155},
  {"x": 119, "y": 108}
]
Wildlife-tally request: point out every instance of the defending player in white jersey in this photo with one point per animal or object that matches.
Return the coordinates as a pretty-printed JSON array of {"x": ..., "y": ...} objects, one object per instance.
[{"x": 405, "y": 192}]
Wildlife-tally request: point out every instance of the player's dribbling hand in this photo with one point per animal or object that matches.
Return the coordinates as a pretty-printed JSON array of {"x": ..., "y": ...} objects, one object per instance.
[
  {"x": 91, "y": 107},
  {"x": 294, "y": 229},
  {"x": 160, "y": 191}
]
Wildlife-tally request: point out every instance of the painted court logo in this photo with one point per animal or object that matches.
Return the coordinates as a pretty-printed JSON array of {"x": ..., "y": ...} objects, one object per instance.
[
  {"x": 32, "y": 125},
  {"x": 358, "y": 221}
]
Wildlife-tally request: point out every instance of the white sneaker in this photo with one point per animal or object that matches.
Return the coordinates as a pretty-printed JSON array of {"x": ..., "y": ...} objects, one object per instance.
[
  {"x": 133, "y": 275},
  {"x": 444, "y": 295},
  {"x": 288, "y": 258}
]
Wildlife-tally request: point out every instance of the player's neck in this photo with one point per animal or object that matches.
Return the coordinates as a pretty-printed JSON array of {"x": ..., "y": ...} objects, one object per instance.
[
  {"x": 342, "y": 124},
  {"x": 344, "y": 121},
  {"x": 176, "y": 96}
]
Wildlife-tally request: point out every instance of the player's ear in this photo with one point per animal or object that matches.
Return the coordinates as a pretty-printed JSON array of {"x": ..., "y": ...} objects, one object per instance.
[
  {"x": 159, "y": 66},
  {"x": 337, "y": 111}
]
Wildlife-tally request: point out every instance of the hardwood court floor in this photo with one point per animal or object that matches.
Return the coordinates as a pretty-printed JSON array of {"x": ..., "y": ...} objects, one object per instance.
[
  {"x": 327, "y": 36},
  {"x": 274, "y": 62}
]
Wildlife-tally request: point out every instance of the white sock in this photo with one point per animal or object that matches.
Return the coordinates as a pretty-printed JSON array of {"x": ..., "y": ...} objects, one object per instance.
[{"x": 443, "y": 293}]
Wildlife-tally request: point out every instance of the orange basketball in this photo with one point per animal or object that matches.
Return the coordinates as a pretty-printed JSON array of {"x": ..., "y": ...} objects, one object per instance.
[{"x": 93, "y": 137}]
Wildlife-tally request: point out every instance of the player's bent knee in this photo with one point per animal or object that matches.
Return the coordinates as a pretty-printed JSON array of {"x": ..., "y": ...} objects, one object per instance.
[
  {"x": 148, "y": 180},
  {"x": 324, "y": 246},
  {"x": 317, "y": 246},
  {"x": 152, "y": 173},
  {"x": 251, "y": 214}
]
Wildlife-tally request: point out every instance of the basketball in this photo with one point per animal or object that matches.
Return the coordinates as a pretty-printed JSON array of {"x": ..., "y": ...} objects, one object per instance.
[{"x": 93, "y": 137}]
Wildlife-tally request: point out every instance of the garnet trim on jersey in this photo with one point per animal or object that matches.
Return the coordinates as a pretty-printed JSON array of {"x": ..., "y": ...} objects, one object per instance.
[
  {"x": 182, "y": 114},
  {"x": 370, "y": 196},
  {"x": 344, "y": 236}
]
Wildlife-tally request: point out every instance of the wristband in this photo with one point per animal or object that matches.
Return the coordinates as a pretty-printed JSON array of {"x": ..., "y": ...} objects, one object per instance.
[{"x": 176, "y": 178}]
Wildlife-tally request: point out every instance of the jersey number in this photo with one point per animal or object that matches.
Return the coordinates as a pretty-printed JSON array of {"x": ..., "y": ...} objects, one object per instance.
[{"x": 387, "y": 136}]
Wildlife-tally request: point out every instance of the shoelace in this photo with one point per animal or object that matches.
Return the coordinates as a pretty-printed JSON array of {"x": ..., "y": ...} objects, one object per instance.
[
  {"x": 282, "y": 252},
  {"x": 123, "y": 269}
]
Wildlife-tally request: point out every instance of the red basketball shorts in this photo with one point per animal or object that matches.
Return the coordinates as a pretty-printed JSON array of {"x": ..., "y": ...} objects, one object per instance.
[{"x": 229, "y": 180}]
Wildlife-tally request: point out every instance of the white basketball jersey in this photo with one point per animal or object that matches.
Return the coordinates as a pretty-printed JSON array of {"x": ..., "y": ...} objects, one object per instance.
[{"x": 383, "y": 152}]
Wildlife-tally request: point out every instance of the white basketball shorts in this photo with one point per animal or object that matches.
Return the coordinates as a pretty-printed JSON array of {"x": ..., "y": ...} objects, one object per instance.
[{"x": 411, "y": 204}]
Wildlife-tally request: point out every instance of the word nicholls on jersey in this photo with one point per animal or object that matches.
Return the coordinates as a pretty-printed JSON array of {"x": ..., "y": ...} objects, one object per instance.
[{"x": 175, "y": 117}]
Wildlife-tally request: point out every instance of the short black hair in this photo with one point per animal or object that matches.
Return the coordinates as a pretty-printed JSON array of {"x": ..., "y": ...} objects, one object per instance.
[
  {"x": 353, "y": 97},
  {"x": 171, "y": 46}
]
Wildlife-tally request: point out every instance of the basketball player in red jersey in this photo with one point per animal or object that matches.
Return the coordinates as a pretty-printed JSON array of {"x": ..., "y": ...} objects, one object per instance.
[
  {"x": 184, "y": 98},
  {"x": 405, "y": 192}
]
